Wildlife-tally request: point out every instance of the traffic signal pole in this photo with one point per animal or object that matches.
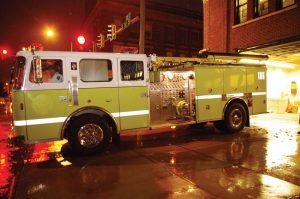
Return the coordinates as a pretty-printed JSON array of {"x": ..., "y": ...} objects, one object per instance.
[{"x": 142, "y": 27}]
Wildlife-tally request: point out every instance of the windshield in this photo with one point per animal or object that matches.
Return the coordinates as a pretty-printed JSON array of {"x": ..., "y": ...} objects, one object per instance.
[{"x": 17, "y": 73}]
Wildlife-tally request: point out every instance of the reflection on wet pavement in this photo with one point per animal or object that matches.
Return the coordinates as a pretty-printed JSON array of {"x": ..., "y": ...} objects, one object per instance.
[
  {"x": 260, "y": 162},
  {"x": 8, "y": 153},
  {"x": 281, "y": 149}
]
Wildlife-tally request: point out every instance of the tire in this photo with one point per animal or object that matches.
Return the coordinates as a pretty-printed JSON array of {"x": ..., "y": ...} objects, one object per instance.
[
  {"x": 89, "y": 134},
  {"x": 234, "y": 120}
]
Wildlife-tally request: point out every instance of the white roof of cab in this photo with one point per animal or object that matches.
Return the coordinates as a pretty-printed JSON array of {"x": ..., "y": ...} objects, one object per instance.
[{"x": 82, "y": 54}]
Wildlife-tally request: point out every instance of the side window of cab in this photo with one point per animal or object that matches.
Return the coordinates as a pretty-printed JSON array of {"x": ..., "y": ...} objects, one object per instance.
[{"x": 52, "y": 71}]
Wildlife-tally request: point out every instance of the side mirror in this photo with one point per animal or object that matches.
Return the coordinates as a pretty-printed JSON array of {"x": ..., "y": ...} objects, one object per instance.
[{"x": 37, "y": 67}]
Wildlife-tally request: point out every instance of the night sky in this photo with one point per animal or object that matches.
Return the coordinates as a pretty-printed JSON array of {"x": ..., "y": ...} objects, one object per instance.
[{"x": 23, "y": 22}]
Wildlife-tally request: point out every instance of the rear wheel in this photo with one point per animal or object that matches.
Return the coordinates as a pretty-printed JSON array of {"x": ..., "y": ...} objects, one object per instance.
[
  {"x": 234, "y": 120},
  {"x": 89, "y": 134}
]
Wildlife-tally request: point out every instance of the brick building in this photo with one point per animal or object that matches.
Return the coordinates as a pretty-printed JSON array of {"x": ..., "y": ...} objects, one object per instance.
[
  {"x": 270, "y": 27},
  {"x": 172, "y": 27}
]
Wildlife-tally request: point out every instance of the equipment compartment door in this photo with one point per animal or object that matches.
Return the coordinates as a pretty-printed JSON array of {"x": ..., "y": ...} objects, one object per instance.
[
  {"x": 256, "y": 84},
  {"x": 133, "y": 94},
  {"x": 209, "y": 90}
]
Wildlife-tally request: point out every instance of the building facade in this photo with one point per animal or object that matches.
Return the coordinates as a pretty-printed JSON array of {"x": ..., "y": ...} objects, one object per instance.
[
  {"x": 270, "y": 27},
  {"x": 230, "y": 25},
  {"x": 172, "y": 27}
]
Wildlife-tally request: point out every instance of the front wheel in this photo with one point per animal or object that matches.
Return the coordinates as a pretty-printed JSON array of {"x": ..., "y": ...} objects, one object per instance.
[{"x": 89, "y": 134}]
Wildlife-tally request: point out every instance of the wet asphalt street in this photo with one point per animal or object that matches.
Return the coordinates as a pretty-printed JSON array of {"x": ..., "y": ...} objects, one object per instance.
[{"x": 262, "y": 161}]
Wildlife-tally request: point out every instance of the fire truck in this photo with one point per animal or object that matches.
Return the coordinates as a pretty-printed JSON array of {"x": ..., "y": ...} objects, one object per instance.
[{"x": 90, "y": 98}]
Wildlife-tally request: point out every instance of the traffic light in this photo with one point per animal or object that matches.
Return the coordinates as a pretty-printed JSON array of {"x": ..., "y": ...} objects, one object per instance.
[
  {"x": 3, "y": 54},
  {"x": 100, "y": 41},
  {"x": 81, "y": 40},
  {"x": 112, "y": 31}
]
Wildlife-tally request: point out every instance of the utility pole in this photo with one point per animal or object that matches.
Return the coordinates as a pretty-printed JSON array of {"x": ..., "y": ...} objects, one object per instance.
[{"x": 142, "y": 27}]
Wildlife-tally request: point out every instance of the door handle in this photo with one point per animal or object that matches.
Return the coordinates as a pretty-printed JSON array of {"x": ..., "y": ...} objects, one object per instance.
[
  {"x": 70, "y": 91},
  {"x": 144, "y": 94},
  {"x": 63, "y": 98},
  {"x": 73, "y": 91}
]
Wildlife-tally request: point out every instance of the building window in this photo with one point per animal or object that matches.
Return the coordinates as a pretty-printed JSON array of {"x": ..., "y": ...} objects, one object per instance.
[
  {"x": 95, "y": 70},
  {"x": 284, "y": 3},
  {"x": 261, "y": 7},
  {"x": 132, "y": 70},
  {"x": 240, "y": 11}
]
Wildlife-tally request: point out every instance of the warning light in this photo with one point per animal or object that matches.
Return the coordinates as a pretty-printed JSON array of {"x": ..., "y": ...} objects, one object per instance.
[{"x": 4, "y": 51}]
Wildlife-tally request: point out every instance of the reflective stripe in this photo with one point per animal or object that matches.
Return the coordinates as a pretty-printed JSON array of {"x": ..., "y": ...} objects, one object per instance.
[
  {"x": 258, "y": 93},
  {"x": 219, "y": 96},
  {"x": 131, "y": 113},
  {"x": 208, "y": 97},
  {"x": 235, "y": 95},
  {"x": 62, "y": 119},
  {"x": 20, "y": 123},
  {"x": 201, "y": 97},
  {"x": 39, "y": 121}
]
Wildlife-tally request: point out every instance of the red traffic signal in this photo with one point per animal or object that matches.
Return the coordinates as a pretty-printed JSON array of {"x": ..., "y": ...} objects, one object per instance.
[
  {"x": 81, "y": 40},
  {"x": 4, "y": 51}
]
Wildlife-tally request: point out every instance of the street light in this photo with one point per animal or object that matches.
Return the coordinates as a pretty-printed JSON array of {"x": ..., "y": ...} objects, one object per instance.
[{"x": 50, "y": 32}]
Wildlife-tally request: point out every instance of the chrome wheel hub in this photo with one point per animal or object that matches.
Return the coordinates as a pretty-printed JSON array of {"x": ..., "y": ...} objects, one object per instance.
[
  {"x": 236, "y": 118},
  {"x": 90, "y": 135}
]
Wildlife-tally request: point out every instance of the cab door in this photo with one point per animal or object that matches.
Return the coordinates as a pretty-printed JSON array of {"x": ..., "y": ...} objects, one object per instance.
[
  {"x": 133, "y": 93},
  {"x": 46, "y": 101}
]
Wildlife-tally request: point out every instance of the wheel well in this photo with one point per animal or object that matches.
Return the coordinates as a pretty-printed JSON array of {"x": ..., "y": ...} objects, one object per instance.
[
  {"x": 240, "y": 101},
  {"x": 90, "y": 110}
]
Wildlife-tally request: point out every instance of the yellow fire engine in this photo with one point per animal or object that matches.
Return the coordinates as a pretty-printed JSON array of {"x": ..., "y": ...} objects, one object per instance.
[{"x": 89, "y": 98}]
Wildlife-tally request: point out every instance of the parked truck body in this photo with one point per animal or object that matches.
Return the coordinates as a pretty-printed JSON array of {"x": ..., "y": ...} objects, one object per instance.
[{"x": 89, "y": 98}]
